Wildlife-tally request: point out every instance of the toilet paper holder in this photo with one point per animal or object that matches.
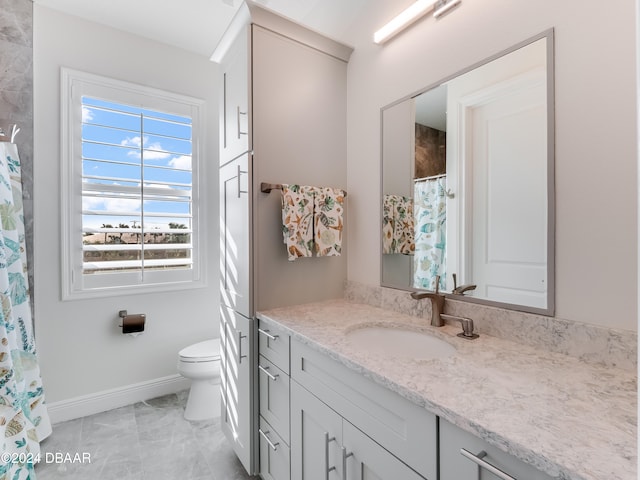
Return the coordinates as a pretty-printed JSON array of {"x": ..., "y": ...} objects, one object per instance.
[{"x": 132, "y": 323}]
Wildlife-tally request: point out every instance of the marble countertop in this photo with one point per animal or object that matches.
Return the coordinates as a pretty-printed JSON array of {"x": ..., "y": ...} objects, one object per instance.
[{"x": 567, "y": 418}]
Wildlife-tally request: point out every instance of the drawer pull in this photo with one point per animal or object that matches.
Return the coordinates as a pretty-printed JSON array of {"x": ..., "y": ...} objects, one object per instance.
[
  {"x": 267, "y": 334},
  {"x": 266, "y": 371},
  {"x": 274, "y": 446},
  {"x": 238, "y": 113},
  {"x": 327, "y": 441},
  {"x": 240, "y": 172},
  {"x": 345, "y": 455},
  {"x": 240, "y": 355},
  {"x": 478, "y": 460}
]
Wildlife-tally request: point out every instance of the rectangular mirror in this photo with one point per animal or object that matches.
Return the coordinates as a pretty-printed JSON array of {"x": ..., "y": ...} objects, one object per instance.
[{"x": 468, "y": 183}]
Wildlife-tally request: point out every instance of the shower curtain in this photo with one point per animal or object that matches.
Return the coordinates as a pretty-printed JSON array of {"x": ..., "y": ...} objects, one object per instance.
[
  {"x": 430, "y": 233},
  {"x": 23, "y": 415}
]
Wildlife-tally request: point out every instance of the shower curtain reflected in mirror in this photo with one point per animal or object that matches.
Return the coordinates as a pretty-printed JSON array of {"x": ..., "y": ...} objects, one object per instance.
[
  {"x": 430, "y": 218},
  {"x": 24, "y": 420}
]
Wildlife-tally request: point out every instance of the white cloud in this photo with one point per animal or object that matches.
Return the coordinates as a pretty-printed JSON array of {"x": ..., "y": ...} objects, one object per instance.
[
  {"x": 87, "y": 114},
  {"x": 182, "y": 162},
  {"x": 111, "y": 204},
  {"x": 136, "y": 142}
]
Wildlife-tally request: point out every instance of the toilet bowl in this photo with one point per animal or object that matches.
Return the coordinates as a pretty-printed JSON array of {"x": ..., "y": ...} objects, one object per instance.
[{"x": 200, "y": 363}]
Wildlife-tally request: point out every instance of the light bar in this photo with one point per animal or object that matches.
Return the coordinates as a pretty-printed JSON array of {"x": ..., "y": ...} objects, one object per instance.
[
  {"x": 445, "y": 7},
  {"x": 403, "y": 20}
]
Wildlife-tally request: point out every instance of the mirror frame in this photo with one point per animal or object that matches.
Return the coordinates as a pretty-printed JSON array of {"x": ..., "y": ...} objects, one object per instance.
[{"x": 551, "y": 204}]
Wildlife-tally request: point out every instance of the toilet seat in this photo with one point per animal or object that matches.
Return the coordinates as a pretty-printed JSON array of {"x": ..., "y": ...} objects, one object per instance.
[{"x": 207, "y": 351}]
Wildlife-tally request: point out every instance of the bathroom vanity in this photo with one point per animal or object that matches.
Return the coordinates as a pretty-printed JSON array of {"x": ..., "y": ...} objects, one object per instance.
[{"x": 332, "y": 408}]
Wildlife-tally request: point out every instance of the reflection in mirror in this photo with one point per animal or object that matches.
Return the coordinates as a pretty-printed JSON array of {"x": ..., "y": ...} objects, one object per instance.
[{"x": 467, "y": 183}]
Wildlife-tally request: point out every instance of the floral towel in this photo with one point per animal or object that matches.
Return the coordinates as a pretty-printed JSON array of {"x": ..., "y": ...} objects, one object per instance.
[
  {"x": 297, "y": 220},
  {"x": 312, "y": 220},
  {"x": 397, "y": 225},
  {"x": 328, "y": 210}
]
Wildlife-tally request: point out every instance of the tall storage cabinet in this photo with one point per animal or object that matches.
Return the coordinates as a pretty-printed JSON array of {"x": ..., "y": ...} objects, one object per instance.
[{"x": 282, "y": 120}]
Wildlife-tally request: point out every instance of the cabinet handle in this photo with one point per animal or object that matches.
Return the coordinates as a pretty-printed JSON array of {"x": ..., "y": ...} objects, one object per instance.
[
  {"x": 240, "y": 356},
  {"x": 478, "y": 460},
  {"x": 268, "y": 335},
  {"x": 238, "y": 112},
  {"x": 266, "y": 371},
  {"x": 327, "y": 441},
  {"x": 345, "y": 455},
  {"x": 240, "y": 172},
  {"x": 274, "y": 446}
]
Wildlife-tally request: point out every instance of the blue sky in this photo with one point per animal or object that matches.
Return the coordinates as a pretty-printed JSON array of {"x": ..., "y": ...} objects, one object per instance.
[{"x": 166, "y": 149}]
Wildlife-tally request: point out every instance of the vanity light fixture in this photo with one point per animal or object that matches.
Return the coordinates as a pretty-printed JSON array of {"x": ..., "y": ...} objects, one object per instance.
[
  {"x": 410, "y": 15},
  {"x": 443, "y": 6}
]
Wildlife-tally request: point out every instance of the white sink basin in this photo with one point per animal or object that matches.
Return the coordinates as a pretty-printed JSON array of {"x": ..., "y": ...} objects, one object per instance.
[{"x": 399, "y": 342}]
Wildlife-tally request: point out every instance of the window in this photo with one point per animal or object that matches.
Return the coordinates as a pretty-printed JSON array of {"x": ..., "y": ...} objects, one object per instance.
[{"x": 130, "y": 166}]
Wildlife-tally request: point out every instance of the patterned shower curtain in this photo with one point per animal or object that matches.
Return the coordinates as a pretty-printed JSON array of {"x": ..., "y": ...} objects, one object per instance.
[
  {"x": 430, "y": 233},
  {"x": 23, "y": 416}
]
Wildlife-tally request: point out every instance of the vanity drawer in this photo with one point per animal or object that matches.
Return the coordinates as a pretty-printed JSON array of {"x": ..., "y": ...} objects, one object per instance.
[
  {"x": 274, "y": 454},
  {"x": 458, "y": 465},
  {"x": 273, "y": 344},
  {"x": 274, "y": 396},
  {"x": 403, "y": 428}
]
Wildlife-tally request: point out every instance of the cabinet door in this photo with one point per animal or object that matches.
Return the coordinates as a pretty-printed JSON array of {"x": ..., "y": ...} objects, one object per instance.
[
  {"x": 364, "y": 459},
  {"x": 316, "y": 438},
  {"x": 274, "y": 396},
  {"x": 235, "y": 236},
  {"x": 275, "y": 463},
  {"x": 237, "y": 384},
  {"x": 454, "y": 465},
  {"x": 234, "y": 121}
]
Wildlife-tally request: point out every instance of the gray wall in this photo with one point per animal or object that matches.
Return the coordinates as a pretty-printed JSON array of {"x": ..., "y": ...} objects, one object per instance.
[
  {"x": 16, "y": 96},
  {"x": 82, "y": 351},
  {"x": 596, "y": 132}
]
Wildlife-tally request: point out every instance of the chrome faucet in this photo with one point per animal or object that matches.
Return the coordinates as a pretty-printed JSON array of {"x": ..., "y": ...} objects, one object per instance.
[
  {"x": 437, "y": 303},
  {"x": 462, "y": 288}
]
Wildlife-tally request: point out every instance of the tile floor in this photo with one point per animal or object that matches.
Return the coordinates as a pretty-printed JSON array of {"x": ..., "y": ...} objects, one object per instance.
[{"x": 144, "y": 441}]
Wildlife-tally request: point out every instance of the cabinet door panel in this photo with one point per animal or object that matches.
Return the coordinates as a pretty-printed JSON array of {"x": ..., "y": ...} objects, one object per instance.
[
  {"x": 366, "y": 460},
  {"x": 274, "y": 454},
  {"x": 400, "y": 426},
  {"x": 454, "y": 466},
  {"x": 237, "y": 381},
  {"x": 274, "y": 345},
  {"x": 235, "y": 236},
  {"x": 316, "y": 438},
  {"x": 234, "y": 121},
  {"x": 274, "y": 396}
]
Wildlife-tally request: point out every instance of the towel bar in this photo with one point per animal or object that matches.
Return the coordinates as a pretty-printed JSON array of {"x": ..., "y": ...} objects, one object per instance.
[{"x": 267, "y": 187}]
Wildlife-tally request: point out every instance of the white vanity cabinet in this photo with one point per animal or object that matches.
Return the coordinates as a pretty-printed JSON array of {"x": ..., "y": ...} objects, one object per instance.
[
  {"x": 282, "y": 120},
  {"x": 235, "y": 237},
  {"x": 274, "y": 385},
  {"x": 236, "y": 373},
  {"x": 326, "y": 446},
  {"x": 236, "y": 324},
  {"x": 464, "y": 456},
  {"x": 316, "y": 437},
  {"x": 352, "y": 428},
  {"x": 234, "y": 104}
]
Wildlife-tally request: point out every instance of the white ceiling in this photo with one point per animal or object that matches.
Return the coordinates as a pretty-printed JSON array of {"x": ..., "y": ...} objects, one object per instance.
[{"x": 197, "y": 25}]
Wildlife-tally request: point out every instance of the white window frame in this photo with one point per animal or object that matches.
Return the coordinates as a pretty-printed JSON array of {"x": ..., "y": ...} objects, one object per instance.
[{"x": 76, "y": 285}]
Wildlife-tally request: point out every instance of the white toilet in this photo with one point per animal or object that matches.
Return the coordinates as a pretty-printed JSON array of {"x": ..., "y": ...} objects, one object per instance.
[{"x": 200, "y": 362}]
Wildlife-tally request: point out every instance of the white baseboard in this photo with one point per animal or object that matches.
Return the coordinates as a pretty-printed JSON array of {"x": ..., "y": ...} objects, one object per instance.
[{"x": 118, "y": 397}]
